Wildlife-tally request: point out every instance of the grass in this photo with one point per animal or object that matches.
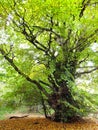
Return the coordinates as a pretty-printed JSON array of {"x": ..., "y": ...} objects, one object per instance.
[{"x": 4, "y": 111}]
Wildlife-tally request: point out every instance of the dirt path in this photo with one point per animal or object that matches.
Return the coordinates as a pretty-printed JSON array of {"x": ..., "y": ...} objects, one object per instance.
[{"x": 40, "y": 123}]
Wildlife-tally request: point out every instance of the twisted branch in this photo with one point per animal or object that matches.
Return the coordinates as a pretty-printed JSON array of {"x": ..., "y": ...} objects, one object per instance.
[{"x": 21, "y": 73}]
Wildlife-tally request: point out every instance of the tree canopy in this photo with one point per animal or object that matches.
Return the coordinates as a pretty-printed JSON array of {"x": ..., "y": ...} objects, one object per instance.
[{"x": 51, "y": 44}]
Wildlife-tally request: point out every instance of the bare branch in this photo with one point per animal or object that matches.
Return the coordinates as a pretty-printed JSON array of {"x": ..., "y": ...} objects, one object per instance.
[{"x": 86, "y": 72}]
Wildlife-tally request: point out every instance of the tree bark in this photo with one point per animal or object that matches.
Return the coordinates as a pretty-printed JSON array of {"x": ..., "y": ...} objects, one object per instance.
[{"x": 62, "y": 102}]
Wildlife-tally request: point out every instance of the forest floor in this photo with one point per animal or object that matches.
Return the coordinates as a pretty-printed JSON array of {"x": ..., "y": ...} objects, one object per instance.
[{"x": 38, "y": 122}]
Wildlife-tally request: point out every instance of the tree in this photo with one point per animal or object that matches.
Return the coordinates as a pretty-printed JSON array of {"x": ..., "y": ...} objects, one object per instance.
[{"x": 61, "y": 35}]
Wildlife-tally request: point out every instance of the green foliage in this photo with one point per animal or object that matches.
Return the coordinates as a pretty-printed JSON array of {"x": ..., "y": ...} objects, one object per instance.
[
  {"x": 38, "y": 72},
  {"x": 50, "y": 44},
  {"x": 4, "y": 111}
]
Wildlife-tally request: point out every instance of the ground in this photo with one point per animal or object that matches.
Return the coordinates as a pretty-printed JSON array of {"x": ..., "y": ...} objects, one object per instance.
[{"x": 37, "y": 122}]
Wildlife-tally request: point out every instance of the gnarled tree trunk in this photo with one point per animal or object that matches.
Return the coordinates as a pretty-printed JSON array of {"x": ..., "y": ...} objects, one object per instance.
[{"x": 61, "y": 100}]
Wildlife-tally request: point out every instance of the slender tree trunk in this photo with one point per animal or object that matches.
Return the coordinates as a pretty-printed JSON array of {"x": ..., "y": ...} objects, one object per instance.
[{"x": 44, "y": 106}]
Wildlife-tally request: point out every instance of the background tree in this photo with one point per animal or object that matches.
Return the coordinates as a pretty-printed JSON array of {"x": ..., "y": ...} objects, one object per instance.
[{"x": 61, "y": 35}]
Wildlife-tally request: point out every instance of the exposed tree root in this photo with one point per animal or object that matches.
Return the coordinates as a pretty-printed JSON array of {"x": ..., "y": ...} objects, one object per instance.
[{"x": 14, "y": 117}]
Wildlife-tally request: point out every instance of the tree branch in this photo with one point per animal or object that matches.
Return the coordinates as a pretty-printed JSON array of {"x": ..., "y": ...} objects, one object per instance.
[
  {"x": 27, "y": 31},
  {"x": 86, "y": 72},
  {"x": 21, "y": 73},
  {"x": 44, "y": 106},
  {"x": 87, "y": 67},
  {"x": 50, "y": 36},
  {"x": 83, "y": 42},
  {"x": 47, "y": 30},
  {"x": 84, "y": 5},
  {"x": 83, "y": 59}
]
